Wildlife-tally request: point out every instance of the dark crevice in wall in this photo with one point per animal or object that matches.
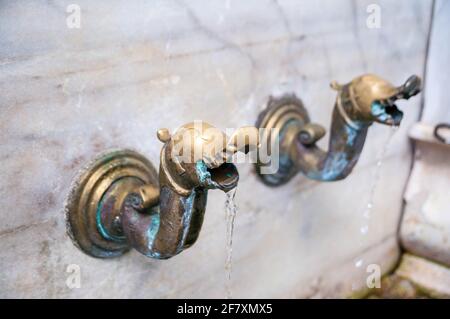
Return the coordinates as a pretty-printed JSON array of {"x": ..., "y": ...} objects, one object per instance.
[{"x": 427, "y": 51}]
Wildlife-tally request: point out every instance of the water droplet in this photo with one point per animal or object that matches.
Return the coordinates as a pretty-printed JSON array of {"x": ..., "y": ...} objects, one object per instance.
[
  {"x": 231, "y": 211},
  {"x": 175, "y": 79},
  {"x": 377, "y": 173},
  {"x": 364, "y": 229},
  {"x": 358, "y": 263}
]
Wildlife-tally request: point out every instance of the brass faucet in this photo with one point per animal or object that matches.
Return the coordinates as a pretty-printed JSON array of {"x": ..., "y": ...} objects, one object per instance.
[
  {"x": 120, "y": 202},
  {"x": 361, "y": 102}
]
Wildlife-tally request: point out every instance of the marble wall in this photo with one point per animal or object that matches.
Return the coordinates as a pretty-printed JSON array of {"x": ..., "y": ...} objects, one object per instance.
[{"x": 135, "y": 66}]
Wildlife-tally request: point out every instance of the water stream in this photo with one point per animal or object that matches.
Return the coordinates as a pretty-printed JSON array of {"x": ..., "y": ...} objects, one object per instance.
[
  {"x": 364, "y": 229},
  {"x": 230, "y": 211}
]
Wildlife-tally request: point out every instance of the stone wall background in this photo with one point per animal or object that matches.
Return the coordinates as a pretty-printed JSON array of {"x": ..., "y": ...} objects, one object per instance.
[{"x": 136, "y": 66}]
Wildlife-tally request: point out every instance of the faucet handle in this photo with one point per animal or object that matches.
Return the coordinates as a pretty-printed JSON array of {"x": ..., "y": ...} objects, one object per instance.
[
  {"x": 411, "y": 87},
  {"x": 244, "y": 139}
]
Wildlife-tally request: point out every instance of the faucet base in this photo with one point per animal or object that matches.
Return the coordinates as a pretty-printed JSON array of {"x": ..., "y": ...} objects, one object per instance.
[
  {"x": 93, "y": 208},
  {"x": 283, "y": 120}
]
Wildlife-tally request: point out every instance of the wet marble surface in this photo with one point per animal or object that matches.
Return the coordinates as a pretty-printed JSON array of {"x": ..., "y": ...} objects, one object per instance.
[{"x": 136, "y": 66}]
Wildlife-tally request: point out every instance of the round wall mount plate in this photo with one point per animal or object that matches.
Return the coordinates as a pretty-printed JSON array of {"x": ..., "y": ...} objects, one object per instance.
[
  {"x": 280, "y": 114},
  {"x": 106, "y": 179}
]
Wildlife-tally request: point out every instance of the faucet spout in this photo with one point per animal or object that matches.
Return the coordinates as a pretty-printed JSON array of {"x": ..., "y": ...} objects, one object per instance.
[
  {"x": 372, "y": 99},
  {"x": 193, "y": 160}
]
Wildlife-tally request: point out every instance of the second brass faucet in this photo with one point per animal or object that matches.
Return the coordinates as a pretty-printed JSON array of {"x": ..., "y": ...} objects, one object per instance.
[{"x": 366, "y": 99}]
